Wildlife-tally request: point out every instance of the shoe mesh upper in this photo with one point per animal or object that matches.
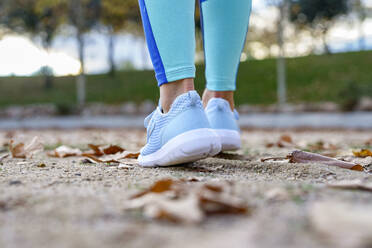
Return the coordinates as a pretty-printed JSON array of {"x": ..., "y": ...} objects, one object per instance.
[{"x": 159, "y": 120}]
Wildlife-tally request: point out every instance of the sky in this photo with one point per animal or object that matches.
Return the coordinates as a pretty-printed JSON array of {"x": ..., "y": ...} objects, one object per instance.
[{"x": 23, "y": 56}]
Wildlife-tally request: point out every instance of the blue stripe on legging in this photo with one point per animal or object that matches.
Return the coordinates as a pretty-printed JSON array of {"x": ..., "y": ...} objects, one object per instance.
[{"x": 151, "y": 44}]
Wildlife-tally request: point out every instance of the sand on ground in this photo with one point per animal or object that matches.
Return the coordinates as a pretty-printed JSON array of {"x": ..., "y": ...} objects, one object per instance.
[{"x": 69, "y": 203}]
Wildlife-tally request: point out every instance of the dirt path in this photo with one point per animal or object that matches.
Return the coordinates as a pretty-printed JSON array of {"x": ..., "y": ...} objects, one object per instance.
[{"x": 69, "y": 203}]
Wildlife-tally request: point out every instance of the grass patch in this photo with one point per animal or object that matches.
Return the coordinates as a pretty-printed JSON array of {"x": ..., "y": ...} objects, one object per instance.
[{"x": 310, "y": 79}]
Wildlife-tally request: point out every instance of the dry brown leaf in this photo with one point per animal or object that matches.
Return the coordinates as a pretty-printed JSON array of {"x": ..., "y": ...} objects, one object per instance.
[
  {"x": 114, "y": 158},
  {"x": 363, "y": 153},
  {"x": 17, "y": 151},
  {"x": 158, "y": 187},
  {"x": 98, "y": 154},
  {"x": 133, "y": 155},
  {"x": 26, "y": 151},
  {"x": 352, "y": 185},
  {"x": 96, "y": 150},
  {"x": 308, "y": 157},
  {"x": 113, "y": 149},
  {"x": 284, "y": 141},
  {"x": 186, "y": 201},
  {"x": 109, "y": 150},
  {"x": 286, "y": 138},
  {"x": 65, "y": 151}
]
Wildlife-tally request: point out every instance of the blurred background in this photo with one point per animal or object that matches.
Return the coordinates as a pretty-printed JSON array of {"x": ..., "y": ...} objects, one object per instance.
[{"x": 89, "y": 57}]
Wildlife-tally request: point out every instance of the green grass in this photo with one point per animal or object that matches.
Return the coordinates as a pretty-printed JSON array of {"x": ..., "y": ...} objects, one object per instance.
[{"x": 310, "y": 79}]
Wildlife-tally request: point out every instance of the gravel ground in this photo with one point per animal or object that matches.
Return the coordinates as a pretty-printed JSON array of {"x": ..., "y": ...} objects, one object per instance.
[{"x": 68, "y": 203}]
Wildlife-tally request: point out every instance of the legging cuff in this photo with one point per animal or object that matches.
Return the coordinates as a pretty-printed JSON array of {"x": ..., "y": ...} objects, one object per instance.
[
  {"x": 221, "y": 85},
  {"x": 176, "y": 74}
]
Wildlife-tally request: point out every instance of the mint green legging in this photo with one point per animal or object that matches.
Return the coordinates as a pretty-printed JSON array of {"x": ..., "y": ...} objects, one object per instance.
[{"x": 170, "y": 34}]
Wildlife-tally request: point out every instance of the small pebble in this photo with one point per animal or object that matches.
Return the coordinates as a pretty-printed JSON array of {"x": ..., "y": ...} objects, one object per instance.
[{"x": 42, "y": 165}]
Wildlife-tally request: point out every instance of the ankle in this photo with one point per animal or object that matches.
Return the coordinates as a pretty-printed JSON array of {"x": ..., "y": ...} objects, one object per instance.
[
  {"x": 227, "y": 95},
  {"x": 170, "y": 91}
]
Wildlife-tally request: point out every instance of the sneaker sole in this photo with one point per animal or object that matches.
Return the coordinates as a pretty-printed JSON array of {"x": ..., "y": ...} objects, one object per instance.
[
  {"x": 230, "y": 139},
  {"x": 184, "y": 148}
]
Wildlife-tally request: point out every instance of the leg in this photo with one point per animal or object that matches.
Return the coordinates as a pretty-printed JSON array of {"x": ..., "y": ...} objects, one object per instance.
[
  {"x": 178, "y": 131},
  {"x": 170, "y": 35},
  {"x": 225, "y": 25}
]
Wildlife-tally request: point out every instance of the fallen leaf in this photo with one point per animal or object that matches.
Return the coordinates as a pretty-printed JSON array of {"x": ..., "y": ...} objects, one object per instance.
[
  {"x": 26, "y": 151},
  {"x": 113, "y": 150},
  {"x": 133, "y": 155},
  {"x": 363, "y": 153},
  {"x": 158, "y": 187},
  {"x": 98, "y": 154},
  {"x": 96, "y": 150},
  {"x": 352, "y": 185},
  {"x": 108, "y": 150},
  {"x": 284, "y": 141},
  {"x": 65, "y": 151},
  {"x": 186, "y": 201},
  {"x": 308, "y": 157},
  {"x": 17, "y": 151},
  {"x": 114, "y": 158},
  {"x": 286, "y": 138}
]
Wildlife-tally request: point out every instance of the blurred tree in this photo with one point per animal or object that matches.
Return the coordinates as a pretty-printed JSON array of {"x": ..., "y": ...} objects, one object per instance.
[
  {"x": 361, "y": 12},
  {"x": 318, "y": 15},
  {"x": 84, "y": 16},
  {"x": 116, "y": 16},
  {"x": 283, "y": 8},
  {"x": 36, "y": 19},
  {"x": 3, "y": 16}
]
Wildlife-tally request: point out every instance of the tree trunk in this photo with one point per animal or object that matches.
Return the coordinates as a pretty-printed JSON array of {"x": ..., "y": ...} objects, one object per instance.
[
  {"x": 362, "y": 37},
  {"x": 325, "y": 42},
  {"x": 81, "y": 80},
  {"x": 48, "y": 81},
  {"x": 281, "y": 63},
  {"x": 48, "y": 75},
  {"x": 111, "y": 50}
]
